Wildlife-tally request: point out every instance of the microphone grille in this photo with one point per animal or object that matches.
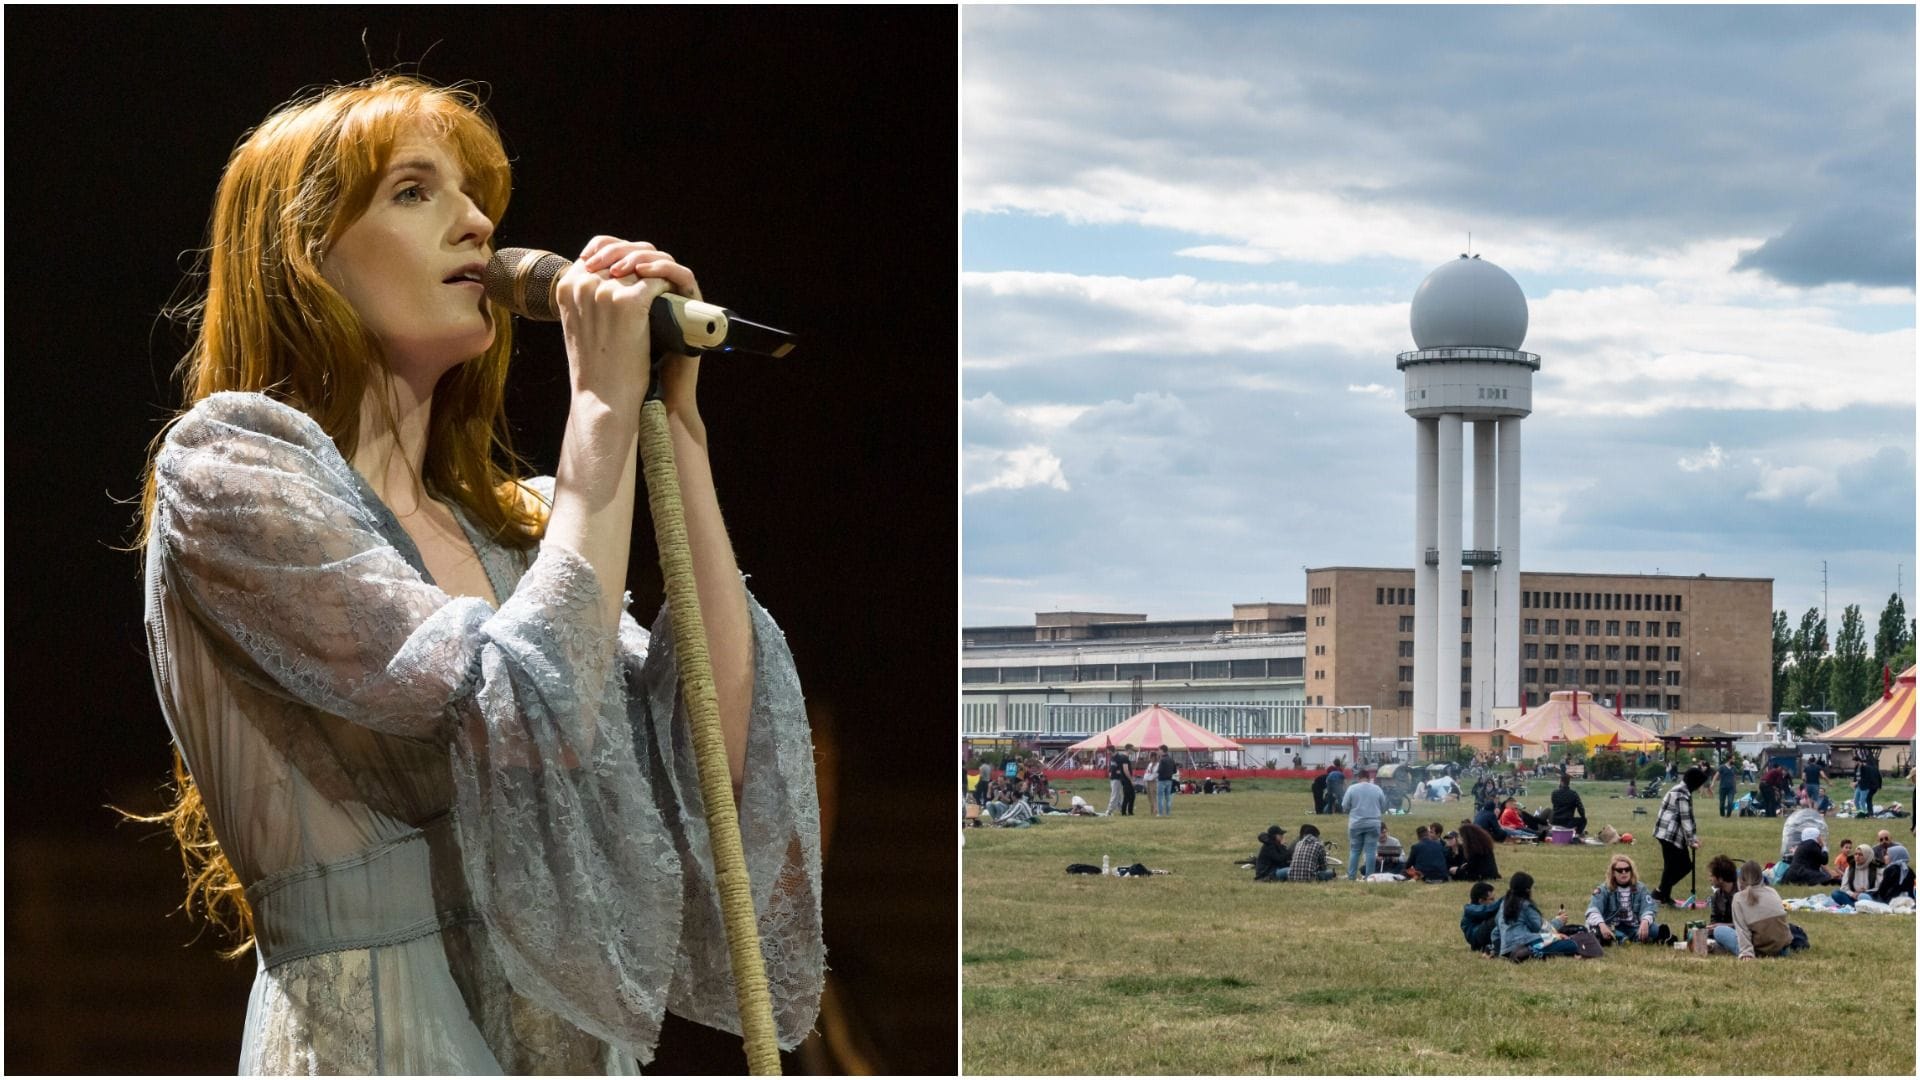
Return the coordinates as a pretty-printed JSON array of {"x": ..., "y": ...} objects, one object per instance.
[{"x": 521, "y": 279}]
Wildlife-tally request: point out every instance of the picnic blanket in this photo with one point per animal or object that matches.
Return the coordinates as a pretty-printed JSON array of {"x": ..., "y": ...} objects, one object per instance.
[{"x": 1823, "y": 903}]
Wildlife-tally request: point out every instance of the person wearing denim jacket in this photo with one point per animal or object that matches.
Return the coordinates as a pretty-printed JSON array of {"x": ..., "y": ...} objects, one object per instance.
[
  {"x": 1519, "y": 923},
  {"x": 1622, "y": 907}
]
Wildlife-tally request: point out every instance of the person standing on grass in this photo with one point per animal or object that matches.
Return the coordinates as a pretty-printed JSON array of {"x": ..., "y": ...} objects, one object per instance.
[
  {"x": 1320, "y": 792},
  {"x": 1366, "y": 807},
  {"x": 1309, "y": 857},
  {"x": 1336, "y": 785},
  {"x": 1163, "y": 786},
  {"x": 1677, "y": 833},
  {"x": 1121, "y": 798},
  {"x": 1728, "y": 782},
  {"x": 1866, "y": 782}
]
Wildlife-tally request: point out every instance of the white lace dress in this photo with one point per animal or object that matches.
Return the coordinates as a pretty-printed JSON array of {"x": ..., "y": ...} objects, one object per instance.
[{"x": 470, "y": 844}]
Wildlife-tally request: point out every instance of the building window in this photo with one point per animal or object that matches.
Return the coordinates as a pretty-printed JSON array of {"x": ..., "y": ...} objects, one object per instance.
[
  {"x": 1653, "y": 678},
  {"x": 1061, "y": 674},
  {"x": 1173, "y": 671},
  {"x": 1673, "y": 654},
  {"x": 1673, "y": 703},
  {"x": 1466, "y": 648},
  {"x": 1380, "y": 595},
  {"x": 1406, "y": 698},
  {"x": 1613, "y": 677},
  {"x": 1633, "y": 701},
  {"x": 1552, "y": 653},
  {"x": 1673, "y": 629},
  {"x": 1593, "y": 652},
  {"x": 1673, "y": 678},
  {"x": 1464, "y": 598},
  {"x": 1573, "y": 627},
  {"x": 1613, "y": 652},
  {"x": 1593, "y": 676},
  {"x": 1676, "y": 602},
  {"x": 1319, "y": 650},
  {"x": 1593, "y": 627},
  {"x": 1406, "y": 674},
  {"x": 1613, "y": 627},
  {"x": 1094, "y": 673},
  {"x": 1633, "y": 651},
  {"x": 1633, "y": 677},
  {"x": 1466, "y": 698},
  {"x": 979, "y": 675},
  {"x": 1466, "y": 675},
  {"x": 1532, "y": 651},
  {"x": 1552, "y": 675},
  {"x": 1531, "y": 626},
  {"x": 1633, "y": 628},
  {"x": 1287, "y": 667},
  {"x": 1248, "y": 669},
  {"x": 1406, "y": 624},
  {"x": 1209, "y": 669},
  {"x": 1466, "y": 625},
  {"x": 1133, "y": 671},
  {"x": 1531, "y": 675},
  {"x": 1406, "y": 648},
  {"x": 1553, "y": 626},
  {"x": 1533, "y": 698}
]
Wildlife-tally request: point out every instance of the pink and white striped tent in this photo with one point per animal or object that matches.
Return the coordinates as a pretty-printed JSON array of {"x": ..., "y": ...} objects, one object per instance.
[{"x": 1154, "y": 727}]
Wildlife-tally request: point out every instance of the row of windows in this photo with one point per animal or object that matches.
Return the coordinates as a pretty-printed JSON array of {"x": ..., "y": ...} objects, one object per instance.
[
  {"x": 1276, "y": 668},
  {"x": 1613, "y": 628},
  {"x": 1551, "y": 651},
  {"x": 1607, "y": 677},
  {"x": 1601, "y": 601},
  {"x": 1534, "y": 698},
  {"x": 1321, "y": 596}
]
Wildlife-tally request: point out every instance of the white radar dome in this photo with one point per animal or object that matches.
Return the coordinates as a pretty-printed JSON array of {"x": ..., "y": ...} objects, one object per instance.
[{"x": 1469, "y": 302}]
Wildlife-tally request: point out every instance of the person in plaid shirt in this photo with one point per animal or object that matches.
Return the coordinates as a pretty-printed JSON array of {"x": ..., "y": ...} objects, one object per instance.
[
  {"x": 1309, "y": 857},
  {"x": 1677, "y": 833}
]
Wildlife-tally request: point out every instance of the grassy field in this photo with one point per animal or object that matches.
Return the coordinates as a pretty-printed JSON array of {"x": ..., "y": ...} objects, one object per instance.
[{"x": 1203, "y": 971}]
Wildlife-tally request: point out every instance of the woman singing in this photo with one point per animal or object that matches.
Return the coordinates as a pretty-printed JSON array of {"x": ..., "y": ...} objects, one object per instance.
[{"x": 430, "y": 763}]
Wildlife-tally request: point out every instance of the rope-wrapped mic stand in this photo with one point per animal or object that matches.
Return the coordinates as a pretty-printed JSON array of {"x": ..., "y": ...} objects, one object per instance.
[{"x": 709, "y": 746}]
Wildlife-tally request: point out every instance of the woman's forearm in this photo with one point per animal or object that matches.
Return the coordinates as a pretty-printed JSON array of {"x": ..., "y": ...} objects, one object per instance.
[{"x": 594, "y": 491}]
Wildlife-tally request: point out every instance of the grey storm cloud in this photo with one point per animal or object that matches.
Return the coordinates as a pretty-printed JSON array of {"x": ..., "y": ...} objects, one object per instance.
[
  {"x": 1849, "y": 243},
  {"x": 1657, "y": 124}
]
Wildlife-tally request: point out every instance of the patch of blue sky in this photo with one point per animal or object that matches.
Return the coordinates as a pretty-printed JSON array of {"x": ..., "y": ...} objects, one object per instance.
[{"x": 1874, "y": 318}]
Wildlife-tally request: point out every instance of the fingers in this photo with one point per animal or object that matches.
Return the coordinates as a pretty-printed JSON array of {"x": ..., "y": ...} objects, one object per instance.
[{"x": 618, "y": 258}]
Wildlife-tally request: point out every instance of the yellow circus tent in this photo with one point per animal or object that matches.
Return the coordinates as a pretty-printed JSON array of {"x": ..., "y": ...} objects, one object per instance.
[
  {"x": 1887, "y": 721},
  {"x": 1572, "y": 716}
]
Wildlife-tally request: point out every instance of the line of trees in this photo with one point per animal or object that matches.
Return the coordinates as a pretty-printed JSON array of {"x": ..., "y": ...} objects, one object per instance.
[{"x": 1806, "y": 676}]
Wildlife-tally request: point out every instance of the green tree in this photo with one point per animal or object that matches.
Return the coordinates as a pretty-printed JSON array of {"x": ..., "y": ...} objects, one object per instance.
[
  {"x": 1782, "y": 641},
  {"x": 1807, "y": 687},
  {"x": 1892, "y": 636},
  {"x": 1799, "y": 721},
  {"x": 1851, "y": 678}
]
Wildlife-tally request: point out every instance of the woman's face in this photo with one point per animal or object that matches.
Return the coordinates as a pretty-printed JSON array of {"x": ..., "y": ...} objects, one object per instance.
[{"x": 410, "y": 265}]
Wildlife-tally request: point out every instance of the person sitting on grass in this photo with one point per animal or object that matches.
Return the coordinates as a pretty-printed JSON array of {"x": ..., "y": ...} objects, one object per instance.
[
  {"x": 1860, "y": 878},
  {"x": 1842, "y": 855},
  {"x": 1519, "y": 924},
  {"x": 1719, "y": 936},
  {"x": 1013, "y": 812},
  {"x": 1309, "y": 861},
  {"x": 1477, "y": 918},
  {"x": 1428, "y": 857},
  {"x": 1759, "y": 918},
  {"x": 1391, "y": 852},
  {"x": 1622, "y": 907},
  {"x": 1809, "y": 866},
  {"x": 1568, "y": 811},
  {"x": 1476, "y": 849},
  {"x": 1487, "y": 817},
  {"x": 1271, "y": 862},
  {"x": 1515, "y": 823},
  {"x": 1897, "y": 879}
]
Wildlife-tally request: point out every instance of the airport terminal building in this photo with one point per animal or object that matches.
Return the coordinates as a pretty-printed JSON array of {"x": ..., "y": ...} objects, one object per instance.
[{"x": 1674, "y": 650}]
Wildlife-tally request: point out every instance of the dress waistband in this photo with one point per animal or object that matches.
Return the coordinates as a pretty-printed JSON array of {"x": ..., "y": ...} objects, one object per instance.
[{"x": 396, "y": 891}]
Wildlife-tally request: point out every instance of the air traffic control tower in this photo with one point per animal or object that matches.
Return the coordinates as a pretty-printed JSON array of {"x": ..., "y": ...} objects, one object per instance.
[{"x": 1469, "y": 320}]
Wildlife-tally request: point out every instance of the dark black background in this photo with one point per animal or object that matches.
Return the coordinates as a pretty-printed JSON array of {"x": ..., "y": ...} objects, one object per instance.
[{"x": 802, "y": 161}]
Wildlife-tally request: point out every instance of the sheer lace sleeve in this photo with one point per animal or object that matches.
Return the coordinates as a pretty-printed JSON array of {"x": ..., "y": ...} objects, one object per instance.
[
  {"x": 779, "y": 826},
  {"x": 264, "y": 529}
]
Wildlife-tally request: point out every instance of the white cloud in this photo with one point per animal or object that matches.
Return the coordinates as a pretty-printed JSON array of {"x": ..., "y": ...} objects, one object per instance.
[
  {"x": 1711, "y": 458},
  {"x": 1011, "y": 470},
  {"x": 1385, "y": 393},
  {"x": 1805, "y": 483},
  {"x": 1227, "y": 253}
]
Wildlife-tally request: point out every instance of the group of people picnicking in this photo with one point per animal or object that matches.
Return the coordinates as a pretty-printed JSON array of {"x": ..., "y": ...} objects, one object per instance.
[{"x": 1018, "y": 792}]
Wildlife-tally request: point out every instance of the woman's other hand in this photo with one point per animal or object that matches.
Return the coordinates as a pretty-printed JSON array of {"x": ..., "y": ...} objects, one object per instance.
[{"x": 645, "y": 272}]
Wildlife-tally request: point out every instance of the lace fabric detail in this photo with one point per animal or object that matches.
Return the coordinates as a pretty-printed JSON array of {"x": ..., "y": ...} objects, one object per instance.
[
  {"x": 315, "y": 1016},
  {"x": 582, "y": 832}
]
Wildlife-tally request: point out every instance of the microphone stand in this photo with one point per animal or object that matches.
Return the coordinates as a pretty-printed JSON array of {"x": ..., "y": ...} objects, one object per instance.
[{"x": 710, "y": 751}]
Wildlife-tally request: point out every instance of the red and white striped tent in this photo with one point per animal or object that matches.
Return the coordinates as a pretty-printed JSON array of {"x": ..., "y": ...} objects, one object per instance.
[
  {"x": 1156, "y": 726},
  {"x": 1573, "y": 716},
  {"x": 1887, "y": 721}
]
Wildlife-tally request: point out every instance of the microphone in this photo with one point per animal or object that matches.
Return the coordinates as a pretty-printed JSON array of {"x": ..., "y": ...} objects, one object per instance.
[{"x": 521, "y": 280}]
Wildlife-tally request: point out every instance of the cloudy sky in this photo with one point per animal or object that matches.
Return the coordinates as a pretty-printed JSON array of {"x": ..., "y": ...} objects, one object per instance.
[{"x": 1190, "y": 236}]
